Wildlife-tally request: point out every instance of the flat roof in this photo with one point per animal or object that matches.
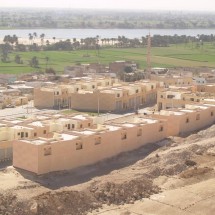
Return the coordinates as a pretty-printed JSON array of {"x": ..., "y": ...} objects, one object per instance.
[
  {"x": 112, "y": 127},
  {"x": 80, "y": 117},
  {"x": 37, "y": 124},
  {"x": 85, "y": 132}
]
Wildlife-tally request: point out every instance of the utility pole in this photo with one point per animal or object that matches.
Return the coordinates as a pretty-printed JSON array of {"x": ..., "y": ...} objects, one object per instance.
[
  {"x": 149, "y": 56},
  {"x": 98, "y": 102}
]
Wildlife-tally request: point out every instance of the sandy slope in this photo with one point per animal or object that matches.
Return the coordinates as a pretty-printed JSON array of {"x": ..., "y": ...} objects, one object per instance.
[{"x": 175, "y": 176}]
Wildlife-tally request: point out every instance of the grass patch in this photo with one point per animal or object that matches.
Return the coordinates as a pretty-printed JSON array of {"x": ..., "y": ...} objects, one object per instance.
[
  {"x": 68, "y": 112},
  {"x": 172, "y": 56}
]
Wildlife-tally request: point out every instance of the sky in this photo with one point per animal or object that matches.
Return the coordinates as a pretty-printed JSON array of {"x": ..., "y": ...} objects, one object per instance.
[{"x": 190, "y": 5}]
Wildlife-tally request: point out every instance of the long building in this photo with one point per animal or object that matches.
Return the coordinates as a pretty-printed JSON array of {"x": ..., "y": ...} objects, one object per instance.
[
  {"x": 95, "y": 96},
  {"x": 72, "y": 149}
]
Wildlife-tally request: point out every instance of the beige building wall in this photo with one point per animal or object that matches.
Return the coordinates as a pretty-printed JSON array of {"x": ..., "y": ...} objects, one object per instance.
[
  {"x": 209, "y": 88},
  {"x": 64, "y": 155},
  {"x": 91, "y": 101},
  {"x": 27, "y": 154},
  {"x": 187, "y": 120},
  {"x": 43, "y": 98}
]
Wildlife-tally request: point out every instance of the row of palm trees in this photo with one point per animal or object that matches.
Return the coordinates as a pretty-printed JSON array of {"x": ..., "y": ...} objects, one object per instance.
[{"x": 33, "y": 36}]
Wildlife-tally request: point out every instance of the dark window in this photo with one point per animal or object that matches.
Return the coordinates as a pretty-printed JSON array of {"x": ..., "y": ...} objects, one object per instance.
[
  {"x": 47, "y": 151},
  {"x": 89, "y": 124},
  {"x": 212, "y": 113},
  {"x": 187, "y": 120},
  {"x": 79, "y": 146},
  {"x": 139, "y": 132},
  {"x": 35, "y": 134},
  {"x": 73, "y": 125},
  {"x": 98, "y": 141},
  {"x": 26, "y": 134},
  {"x": 170, "y": 96},
  {"x": 161, "y": 128},
  {"x": 124, "y": 136},
  {"x": 44, "y": 132}
]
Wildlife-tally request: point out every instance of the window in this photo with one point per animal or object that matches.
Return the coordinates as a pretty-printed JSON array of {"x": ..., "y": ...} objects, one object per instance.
[
  {"x": 139, "y": 132},
  {"x": 26, "y": 134},
  {"x": 98, "y": 140},
  {"x": 44, "y": 132},
  {"x": 161, "y": 96},
  {"x": 161, "y": 128},
  {"x": 192, "y": 99},
  {"x": 81, "y": 125},
  {"x": 198, "y": 117},
  {"x": 137, "y": 91},
  {"x": 124, "y": 136},
  {"x": 35, "y": 134},
  {"x": 170, "y": 96},
  {"x": 47, "y": 150},
  {"x": 212, "y": 113},
  {"x": 89, "y": 124},
  {"x": 197, "y": 100},
  {"x": 19, "y": 134},
  {"x": 152, "y": 87},
  {"x": 118, "y": 95},
  {"x": 187, "y": 120},
  {"x": 93, "y": 86},
  {"x": 73, "y": 125},
  {"x": 79, "y": 146}
]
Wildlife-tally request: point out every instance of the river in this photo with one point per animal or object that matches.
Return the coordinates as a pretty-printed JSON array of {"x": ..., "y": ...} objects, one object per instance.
[{"x": 103, "y": 33}]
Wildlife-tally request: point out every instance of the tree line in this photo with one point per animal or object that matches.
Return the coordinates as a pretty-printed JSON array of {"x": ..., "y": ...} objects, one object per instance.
[{"x": 104, "y": 19}]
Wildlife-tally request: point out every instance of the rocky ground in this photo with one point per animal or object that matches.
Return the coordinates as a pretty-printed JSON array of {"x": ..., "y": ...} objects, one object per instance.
[{"x": 175, "y": 176}]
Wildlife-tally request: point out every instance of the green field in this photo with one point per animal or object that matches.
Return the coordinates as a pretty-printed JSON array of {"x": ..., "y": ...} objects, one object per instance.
[{"x": 173, "y": 56}]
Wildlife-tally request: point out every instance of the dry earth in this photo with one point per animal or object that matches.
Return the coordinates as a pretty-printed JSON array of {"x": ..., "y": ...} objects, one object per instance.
[{"x": 175, "y": 176}]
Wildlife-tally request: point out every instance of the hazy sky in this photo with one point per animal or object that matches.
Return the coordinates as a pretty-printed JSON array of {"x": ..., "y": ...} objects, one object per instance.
[{"x": 200, "y": 5}]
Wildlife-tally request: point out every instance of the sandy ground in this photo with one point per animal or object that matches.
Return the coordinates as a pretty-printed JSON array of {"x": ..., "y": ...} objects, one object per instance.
[{"x": 175, "y": 176}]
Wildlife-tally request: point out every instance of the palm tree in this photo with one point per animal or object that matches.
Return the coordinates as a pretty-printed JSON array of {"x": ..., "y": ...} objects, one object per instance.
[
  {"x": 47, "y": 42},
  {"x": 30, "y": 37},
  {"x": 42, "y": 36},
  {"x": 35, "y": 35},
  {"x": 54, "y": 38}
]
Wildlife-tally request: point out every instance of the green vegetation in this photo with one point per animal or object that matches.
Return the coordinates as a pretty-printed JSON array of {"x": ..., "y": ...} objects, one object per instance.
[
  {"x": 68, "y": 112},
  {"x": 182, "y": 55}
]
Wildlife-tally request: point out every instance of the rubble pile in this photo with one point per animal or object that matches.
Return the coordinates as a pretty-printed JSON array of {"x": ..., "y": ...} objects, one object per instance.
[
  {"x": 66, "y": 202},
  {"x": 128, "y": 192}
]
